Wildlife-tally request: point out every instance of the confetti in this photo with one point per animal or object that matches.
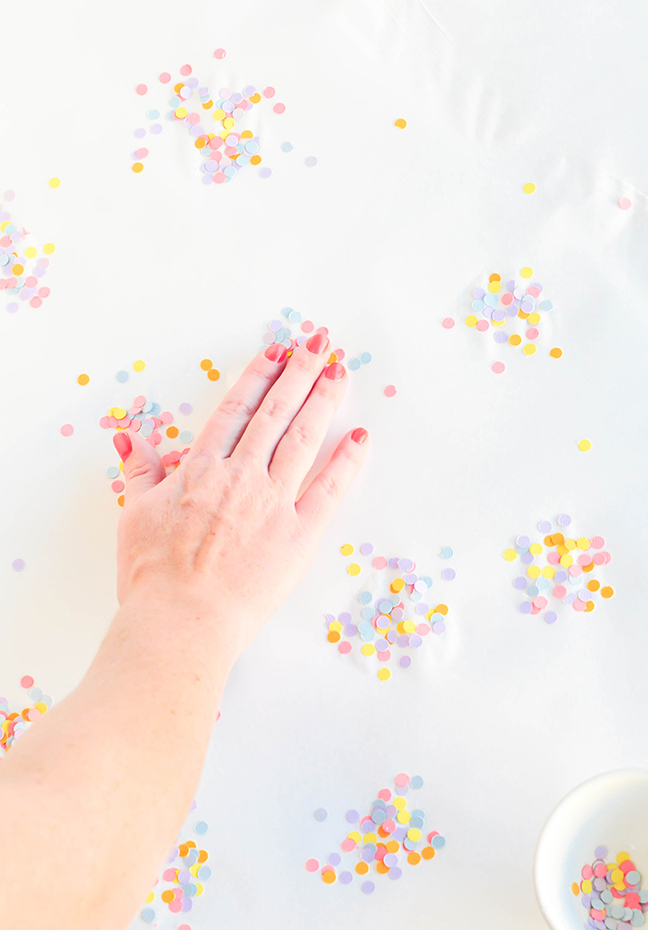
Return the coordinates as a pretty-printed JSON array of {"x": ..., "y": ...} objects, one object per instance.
[
  {"x": 67, "y": 429},
  {"x": 447, "y": 322},
  {"x": 320, "y": 814},
  {"x": 18, "y": 565},
  {"x": 83, "y": 379},
  {"x": 386, "y": 838},
  {"x": 220, "y": 53},
  {"x": 584, "y": 445},
  {"x": 139, "y": 365},
  {"x": 311, "y": 161},
  {"x": 555, "y": 353},
  {"x": 568, "y": 574},
  {"x": 13, "y": 724},
  {"x": 389, "y": 391},
  {"x": 54, "y": 183},
  {"x": 20, "y": 270},
  {"x": 141, "y": 89},
  {"x": 529, "y": 188},
  {"x": 498, "y": 367},
  {"x": 624, "y": 203},
  {"x": 611, "y": 892},
  {"x": 286, "y": 147},
  {"x": 401, "y": 124}
]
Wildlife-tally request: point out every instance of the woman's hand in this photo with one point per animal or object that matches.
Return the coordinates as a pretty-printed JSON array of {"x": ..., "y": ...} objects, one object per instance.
[{"x": 229, "y": 531}]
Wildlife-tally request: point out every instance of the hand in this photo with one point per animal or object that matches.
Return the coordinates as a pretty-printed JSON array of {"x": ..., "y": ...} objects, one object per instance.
[{"x": 229, "y": 531}]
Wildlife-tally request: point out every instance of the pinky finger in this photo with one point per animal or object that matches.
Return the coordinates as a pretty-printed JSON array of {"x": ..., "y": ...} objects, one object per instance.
[{"x": 320, "y": 500}]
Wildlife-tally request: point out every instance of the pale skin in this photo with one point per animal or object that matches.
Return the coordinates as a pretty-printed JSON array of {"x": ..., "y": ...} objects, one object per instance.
[{"x": 213, "y": 550}]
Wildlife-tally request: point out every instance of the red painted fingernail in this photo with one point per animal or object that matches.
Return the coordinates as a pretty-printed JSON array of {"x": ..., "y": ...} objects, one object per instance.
[
  {"x": 316, "y": 343},
  {"x": 124, "y": 445},
  {"x": 359, "y": 435},
  {"x": 334, "y": 372},
  {"x": 276, "y": 352}
]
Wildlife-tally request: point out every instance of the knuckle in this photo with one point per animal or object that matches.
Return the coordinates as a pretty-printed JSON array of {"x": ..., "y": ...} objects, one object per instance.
[
  {"x": 303, "y": 435},
  {"x": 275, "y": 408},
  {"x": 329, "y": 485},
  {"x": 137, "y": 471},
  {"x": 237, "y": 408}
]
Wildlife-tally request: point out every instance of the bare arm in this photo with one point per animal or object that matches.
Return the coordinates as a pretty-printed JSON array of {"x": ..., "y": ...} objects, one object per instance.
[{"x": 205, "y": 556}]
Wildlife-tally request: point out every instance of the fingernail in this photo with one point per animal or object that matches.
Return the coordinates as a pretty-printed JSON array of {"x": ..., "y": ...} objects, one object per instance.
[
  {"x": 359, "y": 435},
  {"x": 276, "y": 352},
  {"x": 334, "y": 372},
  {"x": 123, "y": 444},
  {"x": 316, "y": 343}
]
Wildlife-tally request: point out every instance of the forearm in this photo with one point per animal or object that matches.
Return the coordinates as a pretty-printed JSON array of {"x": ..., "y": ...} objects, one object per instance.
[{"x": 103, "y": 782}]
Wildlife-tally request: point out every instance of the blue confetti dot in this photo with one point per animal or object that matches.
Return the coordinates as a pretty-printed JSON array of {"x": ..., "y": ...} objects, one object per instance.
[
  {"x": 438, "y": 842},
  {"x": 201, "y": 827},
  {"x": 185, "y": 436},
  {"x": 286, "y": 147},
  {"x": 365, "y": 358},
  {"x": 320, "y": 814},
  {"x": 153, "y": 114},
  {"x": 112, "y": 472},
  {"x": 354, "y": 364},
  {"x": 204, "y": 872},
  {"x": 447, "y": 552},
  {"x": 416, "y": 782},
  {"x": 122, "y": 376},
  {"x": 365, "y": 597},
  {"x": 148, "y": 915}
]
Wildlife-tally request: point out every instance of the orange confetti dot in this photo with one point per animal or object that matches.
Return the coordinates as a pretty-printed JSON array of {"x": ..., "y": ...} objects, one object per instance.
[
  {"x": 555, "y": 353},
  {"x": 200, "y": 143},
  {"x": 329, "y": 877},
  {"x": 589, "y": 606},
  {"x": 593, "y": 585},
  {"x": 441, "y": 609},
  {"x": 414, "y": 858},
  {"x": 429, "y": 852},
  {"x": 255, "y": 160},
  {"x": 515, "y": 340},
  {"x": 120, "y": 500},
  {"x": 393, "y": 846},
  {"x": 494, "y": 277},
  {"x": 381, "y": 868},
  {"x": 213, "y": 374},
  {"x": 575, "y": 888},
  {"x": 206, "y": 364},
  {"x": 400, "y": 123},
  {"x": 362, "y": 868},
  {"x": 137, "y": 167},
  {"x": 83, "y": 379},
  {"x": 18, "y": 268},
  {"x": 172, "y": 432},
  {"x": 168, "y": 896},
  {"x": 183, "y": 850},
  {"x": 333, "y": 636},
  {"x": 607, "y": 591}
]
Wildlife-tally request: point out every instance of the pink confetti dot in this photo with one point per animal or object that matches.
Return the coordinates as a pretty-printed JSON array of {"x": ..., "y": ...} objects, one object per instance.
[
  {"x": 312, "y": 865},
  {"x": 9, "y": 195},
  {"x": 169, "y": 875},
  {"x": 507, "y": 299},
  {"x": 279, "y": 108},
  {"x": 141, "y": 89},
  {"x": 118, "y": 486},
  {"x": 141, "y": 153},
  {"x": 344, "y": 648},
  {"x": 402, "y": 780},
  {"x": 269, "y": 92},
  {"x": 35, "y": 302},
  {"x": 597, "y": 542},
  {"x": 44, "y": 292},
  {"x": 67, "y": 429},
  {"x": 307, "y": 326},
  {"x": 185, "y": 70},
  {"x": 625, "y": 203},
  {"x": 390, "y": 390},
  {"x": 498, "y": 367},
  {"x": 559, "y": 591},
  {"x": 379, "y": 562},
  {"x": 385, "y": 794},
  {"x": 27, "y": 681},
  {"x": 448, "y": 322},
  {"x": 532, "y": 333},
  {"x": 348, "y": 845},
  {"x": 220, "y": 53},
  {"x": 165, "y": 77},
  {"x": 482, "y": 326}
]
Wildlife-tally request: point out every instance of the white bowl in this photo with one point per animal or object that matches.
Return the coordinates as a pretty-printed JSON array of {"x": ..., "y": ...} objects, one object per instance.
[{"x": 608, "y": 810}]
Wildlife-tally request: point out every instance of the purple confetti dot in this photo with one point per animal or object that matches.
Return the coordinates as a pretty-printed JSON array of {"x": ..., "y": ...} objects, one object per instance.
[
  {"x": 393, "y": 563},
  {"x": 404, "y": 661},
  {"x": 403, "y": 640},
  {"x": 265, "y": 172},
  {"x": 526, "y": 558},
  {"x": 569, "y": 599},
  {"x": 140, "y": 133},
  {"x": 500, "y": 337},
  {"x": 415, "y": 641},
  {"x": 544, "y": 526},
  {"x": 395, "y": 873},
  {"x": 525, "y": 607},
  {"x": 439, "y": 627},
  {"x": 520, "y": 583},
  {"x": 601, "y": 852},
  {"x": 186, "y": 409},
  {"x": 564, "y": 519},
  {"x": 448, "y": 574},
  {"x": 350, "y": 629},
  {"x": 421, "y": 608},
  {"x": 344, "y": 618},
  {"x": 368, "y": 887},
  {"x": 479, "y": 293},
  {"x": 550, "y": 616},
  {"x": 352, "y": 816},
  {"x": 560, "y": 577},
  {"x": 345, "y": 878},
  {"x": 390, "y": 860},
  {"x": 334, "y": 859},
  {"x": 12, "y": 307},
  {"x": 18, "y": 565},
  {"x": 523, "y": 542},
  {"x": 366, "y": 548}
]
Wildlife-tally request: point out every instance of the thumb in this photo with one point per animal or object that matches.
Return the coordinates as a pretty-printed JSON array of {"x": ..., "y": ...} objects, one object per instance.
[{"x": 143, "y": 467}]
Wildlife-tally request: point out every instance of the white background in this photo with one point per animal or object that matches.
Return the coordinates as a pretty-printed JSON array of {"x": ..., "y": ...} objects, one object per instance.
[{"x": 379, "y": 242}]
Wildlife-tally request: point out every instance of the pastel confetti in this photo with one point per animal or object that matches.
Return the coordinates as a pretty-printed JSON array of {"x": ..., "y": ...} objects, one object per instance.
[
  {"x": 311, "y": 161},
  {"x": 400, "y": 124},
  {"x": 584, "y": 445},
  {"x": 13, "y": 724},
  {"x": 54, "y": 183},
  {"x": 18, "y": 565},
  {"x": 20, "y": 268},
  {"x": 529, "y": 188},
  {"x": 67, "y": 429},
  {"x": 568, "y": 573},
  {"x": 83, "y": 379},
  {"x": 610, "y": 890},
  {"x": 624, "y": 203},
  {"x": 390, "y": 391}
]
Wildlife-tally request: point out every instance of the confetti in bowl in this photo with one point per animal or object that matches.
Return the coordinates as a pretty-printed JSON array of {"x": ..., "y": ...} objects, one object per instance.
[{"x": 610, "y": 809}]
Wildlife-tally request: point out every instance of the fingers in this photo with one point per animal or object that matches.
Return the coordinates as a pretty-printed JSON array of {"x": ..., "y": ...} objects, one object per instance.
[
  {"x": 321, "y": 498},
  {"x": 143, "y": 467},
  {"x": 298, "y": 448},
  {"x": 284, "y": 400},
  {"x": 227, "y": 423}
]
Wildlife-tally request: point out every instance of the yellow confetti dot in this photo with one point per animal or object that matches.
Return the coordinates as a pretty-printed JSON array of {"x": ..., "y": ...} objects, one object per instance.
[
  {"x": 119, "y": 413},
  {"x": 228, "y": 123},
  {"x": 403, "y": 816},
  {"x": 529, "y": 349},
  {"x": 571, "y": 544},
  {"x": 529, "y": 188},
  {"x": 409, "y": 626},
  {"x": 533, "y": 571},
  {"x": 515, "y": 340},
  {"x": 555, "y": 353},
  {"x": 41, "y": 706},
  {"x": 368, "y": 649},
  {"x": 54, "y": 182},
  {"x": 584, "y": 445},
  {"x": 430, "y": 852},
  {"x": 83, "y": 379},
  {"x": 328, "y": 877},
  {"x": 247, "y": 134},
  {"x": 607, "y": 591},
  {"x": 49, "y": 247},
  {"x": 534, "y": 318},
  {"x": 137, "y": 167},
  {"x": 548, "y": 571},
  {"x": 371, "y": 838},
  {"x": 617, "y": 876},
  {"x": 354, "y": 569},
  {"x": 566, "y": 561},
  {"x": 206, "y": 364},
  {"x": 181, "y": 112},
  {"x": 219, "y": 114},
  {"x": 495, "y": 287},
  {"x": 471, "y": 320},
  {"x": 401, "y": 123},
  {"x": 526, "y": 272},
  {"x": 510, "y": 555},
  {"x": 384, "y": 674},
  {"x": 355, "y": 836},
  {"x": 255, "y": 98},
  {"x": 399, "y": 803},
  {"x": 18, "y": 268},
  {"x": 213, "y": 374},
  {"x": 535, "y": 548},
  {"x": 586, "y": 886},
  {"x": 31, "y": 252},
  {"x": 255, "y": 160},
  {"x": 199, "y": 887},
  {"x": 139, "y": 365},
  {"x": 414, "y": 834},
  {"x": 150, "y": 897},
  {"x": 335, "y": 625},
  {"x": 397, "y": 585},
  {"x": 621, "y": 857},
  {"x": 583, "y": 543}
]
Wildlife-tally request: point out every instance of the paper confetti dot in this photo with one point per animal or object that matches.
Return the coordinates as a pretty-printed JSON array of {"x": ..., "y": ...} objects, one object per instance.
[
  {"x": 555, "y": 352},
  {"x": 265, "y": 172},
  {"x": 286, "y": 147},
  {"x": 54, "y": 183},
  {"x": 584, "y": 445},
  {"x": 139, "y": 365},
  {"x": 354, "y": 569},
  {"x": 213, "y": 374},
  {"x": 141, "y": 89},
  {"x": 312, "y": 865},
  {"x": 347, "y": 549},
  {"x": 384, "y": 674},
  {"x": 18, "y": 565},
  {"x": 83, "y": 379},
  {"x": 311, "y": 161},
  {"x": 165, "y": 77},
  {"x": 220, "y": 53},
  {"x": 625, "y": 203},
  {"x": 320, "y": 814},
  {"x": 122, "y": 376},
  {"x": 390, "y": 390},
  {"x": 137, "y": 167},
  {"x": 498, "y": 367},
  {"x": 529, "y": 188},
  {"x": 279, "y": 108},
  {"x": 400, "y": 123},
  {"x": 447, "y": 322},
  {"x": 8, "y": 195},
  {"x": 67, "y": 429},
  {"x": 49, "y": 247}
]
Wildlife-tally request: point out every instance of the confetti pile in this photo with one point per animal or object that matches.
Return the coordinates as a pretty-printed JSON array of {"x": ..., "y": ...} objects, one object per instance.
[
  {"x": 278, "y": 332},
  {"x": 388, "y": 836},
  {"x": 384, "y": 622},
  {"x": 496, "y": 306},
  {"x": 21, "y": 270},
  {"x": 146, "y": 418},
  {"x": 612, "y": 893},
  {"x": 570, "y": 564},
  {"x": 225, "y": 149},
  {"x": 14, "y": 724},
  {"x": 186, "y": 881}
]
